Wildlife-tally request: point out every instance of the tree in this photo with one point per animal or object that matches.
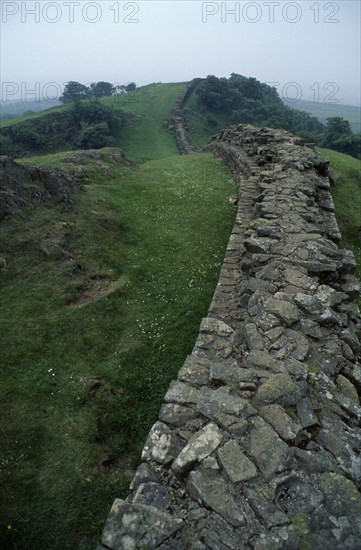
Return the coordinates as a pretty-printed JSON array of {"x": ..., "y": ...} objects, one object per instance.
[
  {"x": 338, "y": 135},
  {"x": 253, "y": 89},
  {"x": 74, "y": 91},
  {"x": 120, "y": 89},
  {"x": 95, "y": 136},
  {"x": 131, "y": 87},
  {"x": 210, "y": 93},
  {"x": 93, "y": 112},
  {"x": 336, "y": 128},
  {"x": 28, "y": 136},
  {"x": 7, "y": 147},
  {"x": 101, "y": 89}
]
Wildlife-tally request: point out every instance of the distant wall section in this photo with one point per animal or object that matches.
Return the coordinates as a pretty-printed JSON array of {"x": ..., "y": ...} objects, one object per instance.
[{"x": 178, "y": 120}]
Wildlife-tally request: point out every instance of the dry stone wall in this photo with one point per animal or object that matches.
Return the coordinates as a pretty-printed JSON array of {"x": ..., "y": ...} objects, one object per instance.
[
  {"x": 185, "y": 148},
  {"x": 258, "y": 440}
]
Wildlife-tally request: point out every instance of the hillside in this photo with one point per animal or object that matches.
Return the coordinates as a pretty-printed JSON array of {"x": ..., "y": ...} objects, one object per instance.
[
  {"x": 322, "y": 111},
  {"x": 220, "y": 102},
  {"x": 32, "y": 116},
  {"x": 101, "y": 301},
  {"x": 14, "y": 109},
  {"x": 147, "y": 136},
  {"x": 138, "y": 124}
]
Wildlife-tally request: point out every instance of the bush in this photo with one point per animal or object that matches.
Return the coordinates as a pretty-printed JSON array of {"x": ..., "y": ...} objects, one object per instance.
[
  {"x": 95, "y": 136},
  {"x": 85, "y": 124},
  {"x": 93, "y": 112},
  {"x": 27, "y": 135},
  {"x": 7, "y": 147}
]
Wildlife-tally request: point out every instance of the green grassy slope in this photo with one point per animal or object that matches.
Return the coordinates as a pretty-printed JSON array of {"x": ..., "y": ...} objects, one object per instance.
[
  {"x": 32, "y": 116},
  {"x": 84, "y": 372},
  {"x": 199, "y": 126},
  {"x": 347, "y": 198},
  {"x": 147, "y": 136}
]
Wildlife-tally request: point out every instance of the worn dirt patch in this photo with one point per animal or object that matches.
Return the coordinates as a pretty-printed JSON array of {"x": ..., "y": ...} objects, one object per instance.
[{"x": 97, "y": 288}]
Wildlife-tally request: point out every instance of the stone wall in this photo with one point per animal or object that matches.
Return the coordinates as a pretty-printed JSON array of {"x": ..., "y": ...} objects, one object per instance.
[
  {"x": 178, "y": 121},
  {"x": 258, "y": 440}
]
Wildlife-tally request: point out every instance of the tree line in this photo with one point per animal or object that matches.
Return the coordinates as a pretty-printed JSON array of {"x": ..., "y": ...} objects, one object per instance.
[
  {"x": 91, "y": 124},
  {"x": 75, "y": 91},
  {"x": 248, "y": 101}
]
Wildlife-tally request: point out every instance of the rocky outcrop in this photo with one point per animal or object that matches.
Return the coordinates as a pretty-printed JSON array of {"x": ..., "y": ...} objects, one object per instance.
[
  {"x": 85, "y": 164},
  {"x": 84, "y": 156},
  {"x": 178, "y": 120},
  {"x": 22, "y": 185},
  {"x": 258, "y": 440}
]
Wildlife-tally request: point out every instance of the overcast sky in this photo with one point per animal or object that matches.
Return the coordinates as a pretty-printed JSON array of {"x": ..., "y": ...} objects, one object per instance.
[{"x": 308, "y": 49}]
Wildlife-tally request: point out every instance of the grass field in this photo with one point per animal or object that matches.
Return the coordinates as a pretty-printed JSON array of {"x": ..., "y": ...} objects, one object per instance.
[
  {"x": 347, "y": 198},
  {"x": 148, "y": 135},
  {"x": 101, "y": 303}
]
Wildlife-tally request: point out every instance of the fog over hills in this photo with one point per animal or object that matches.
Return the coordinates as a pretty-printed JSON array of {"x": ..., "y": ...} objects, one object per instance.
[
  {"x": 308, "y": 44},
  {"x": 10, "y": 109}
]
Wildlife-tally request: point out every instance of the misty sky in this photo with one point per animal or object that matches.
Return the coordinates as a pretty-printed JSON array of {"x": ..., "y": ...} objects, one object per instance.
[{"x": 312, "y": 49}]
